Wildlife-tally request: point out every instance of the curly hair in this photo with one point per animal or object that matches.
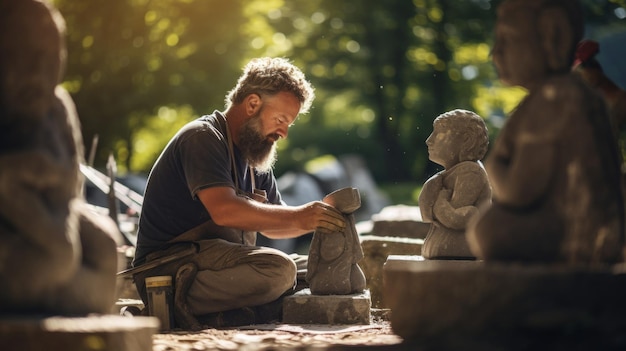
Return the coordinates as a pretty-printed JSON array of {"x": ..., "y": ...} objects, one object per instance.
[
  {"x": 464, "y": 122},
  {"x": 269, "y": 76}
]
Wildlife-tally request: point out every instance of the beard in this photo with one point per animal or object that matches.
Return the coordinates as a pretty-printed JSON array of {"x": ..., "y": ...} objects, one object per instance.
[{"x": 256, "y": 148}]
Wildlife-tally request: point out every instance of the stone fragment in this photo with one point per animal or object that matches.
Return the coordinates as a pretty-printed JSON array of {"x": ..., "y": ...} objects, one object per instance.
[{"x": 305, "y": 308}]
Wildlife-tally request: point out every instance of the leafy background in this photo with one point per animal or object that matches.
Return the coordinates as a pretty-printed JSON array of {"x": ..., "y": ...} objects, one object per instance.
[{"x": 383, "y": 70}]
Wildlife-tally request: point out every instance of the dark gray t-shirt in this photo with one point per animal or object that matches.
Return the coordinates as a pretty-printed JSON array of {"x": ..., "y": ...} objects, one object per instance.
[{"x": 197, "y": 157}]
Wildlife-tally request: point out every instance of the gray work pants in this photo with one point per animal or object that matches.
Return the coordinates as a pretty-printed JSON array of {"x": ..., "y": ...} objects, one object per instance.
[
  {"x": 229, "y": 276},
  {"x": 234, "y": 275}
]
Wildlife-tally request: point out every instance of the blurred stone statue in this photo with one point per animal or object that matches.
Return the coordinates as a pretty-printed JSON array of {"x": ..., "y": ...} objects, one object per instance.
[
  {"x": 332, "y": 268},
  {"x": 450, "y": 198},
  {"x": 56, "y": 257},
  {"x": 554, "y": 167}
]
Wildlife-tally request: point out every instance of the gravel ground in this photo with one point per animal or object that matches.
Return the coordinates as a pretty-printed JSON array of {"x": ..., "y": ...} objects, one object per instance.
[{"x": 377, "y": 335}]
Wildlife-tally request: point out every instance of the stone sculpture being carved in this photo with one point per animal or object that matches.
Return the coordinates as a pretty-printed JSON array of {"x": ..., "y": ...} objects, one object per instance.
[
  {"x": 554, "y": 167},
  {"x": 332, "y": 268},
  {"x": 450, "y": 198},
  {"x": 56, "y": 257}
]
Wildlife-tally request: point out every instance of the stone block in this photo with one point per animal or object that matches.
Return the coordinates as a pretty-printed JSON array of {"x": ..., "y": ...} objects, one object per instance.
[
  {"x": 102, "y": 333},
  {"x": 400, "y": 220},
  {"x": 473, "y": 305},
  {"x": 375, "y": 250},
  {"x": 305, "y": 308}
]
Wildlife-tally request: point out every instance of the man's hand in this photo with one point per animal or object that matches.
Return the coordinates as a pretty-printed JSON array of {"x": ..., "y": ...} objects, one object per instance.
[{"x": 319, "y": 215}]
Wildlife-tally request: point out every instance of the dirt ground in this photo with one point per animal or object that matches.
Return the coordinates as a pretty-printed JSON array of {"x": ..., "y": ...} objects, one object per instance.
[{"x": 378, "y": 335}]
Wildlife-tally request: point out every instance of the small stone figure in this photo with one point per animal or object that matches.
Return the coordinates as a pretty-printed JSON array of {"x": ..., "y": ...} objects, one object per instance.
[
  {"x": 554, "y": 167},
  {"x": 56, "y": 256},
  {"x": 450, "y": 198},
  {"x": 333, "y": 267}
]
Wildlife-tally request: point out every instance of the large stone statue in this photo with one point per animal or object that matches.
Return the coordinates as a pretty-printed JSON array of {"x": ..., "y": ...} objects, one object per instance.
[
  {"x": 332, "y": 268},
  {"x": 56, "y": 257},
  {"x": 554, "y": 167},
  {"x": 450, "y": 198}
]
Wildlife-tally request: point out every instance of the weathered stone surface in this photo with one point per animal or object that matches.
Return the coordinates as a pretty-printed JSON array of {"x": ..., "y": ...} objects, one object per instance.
[
  {"x": 304, "y": 308},
  {"x": 58, "y": 255},
  {"x": 376, "y": 249},
  {"x": 474, "y": 305},
  {"x": 554, "y": 165},
  {"x": 103, "y": 333},
  {"x": 400, "y": 220},
  {"x": 332, "y": 267},
  {"x": 451, "y": 198}
]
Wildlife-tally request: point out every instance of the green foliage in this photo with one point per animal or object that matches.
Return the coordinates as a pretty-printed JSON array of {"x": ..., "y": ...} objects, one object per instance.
[
  {"x": 392, "y": 64},
  {"x": 148, "y": 142},
  {"x": 383, "y": 70},
  {"x": 404, "y": 193},
  {"x": 127, "y": 59}
]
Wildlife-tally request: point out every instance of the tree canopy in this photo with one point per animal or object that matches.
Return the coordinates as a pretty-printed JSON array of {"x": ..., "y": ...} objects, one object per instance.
[{"x": 383, "y": 70}]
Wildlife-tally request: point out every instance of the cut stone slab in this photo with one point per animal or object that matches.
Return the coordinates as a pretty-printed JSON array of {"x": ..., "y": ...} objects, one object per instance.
[
  {"x": 305, "y": 308},
  {"x": 400, "y": 220},
  {"x": 375, "y": 251},
  {"x": 102, "y": 333},
  {"x": 473, "y": 305}
]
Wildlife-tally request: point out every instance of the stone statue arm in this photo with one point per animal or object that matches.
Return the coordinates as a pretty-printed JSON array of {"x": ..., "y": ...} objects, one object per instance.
[
  {"x": 99, "y": 237},
  {"x": 29, "y": 183},
  {"x": 38, "y": 235},
  {"x": 428, "y": 196},
  {"x": 521, "y": 176},
  {"x": 43, "y": 233},
  {"x": 454, "y": 208}
]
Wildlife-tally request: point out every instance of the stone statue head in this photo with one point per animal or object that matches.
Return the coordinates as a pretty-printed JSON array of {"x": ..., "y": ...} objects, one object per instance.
[
  {"x": 458, "y": 135},
  {"x": 536, "y": 38},
  {"x": 33, "y": 56}
]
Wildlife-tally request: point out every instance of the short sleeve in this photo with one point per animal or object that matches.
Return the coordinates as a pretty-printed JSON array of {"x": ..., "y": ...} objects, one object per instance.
[{"x": 204, "y": 159}]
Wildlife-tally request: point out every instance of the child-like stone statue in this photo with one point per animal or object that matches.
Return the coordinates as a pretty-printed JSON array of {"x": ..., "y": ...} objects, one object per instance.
[
  {"x": 56, "y": 257},
  {"x": 554, "y": 167},
  {"x": 332, "y": 268},
  {"x": 450, "y": 198}
]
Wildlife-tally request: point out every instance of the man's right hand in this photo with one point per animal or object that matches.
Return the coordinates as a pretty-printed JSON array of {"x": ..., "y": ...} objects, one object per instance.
[{"x": 319, "y": 215}]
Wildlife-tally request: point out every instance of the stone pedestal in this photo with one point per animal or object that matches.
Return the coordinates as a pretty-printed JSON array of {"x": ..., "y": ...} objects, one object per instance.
[
  {"x": 375, "y": 250},
  {"x": 304, "y": 308},
  {"x": 472, "y": 305},
  {"x": 102, "y": 333},
  {"x": 401, "y": 221}
]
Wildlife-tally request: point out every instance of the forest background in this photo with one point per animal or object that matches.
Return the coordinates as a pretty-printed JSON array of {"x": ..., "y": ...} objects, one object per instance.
[{"x": 383, "y": 70}]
